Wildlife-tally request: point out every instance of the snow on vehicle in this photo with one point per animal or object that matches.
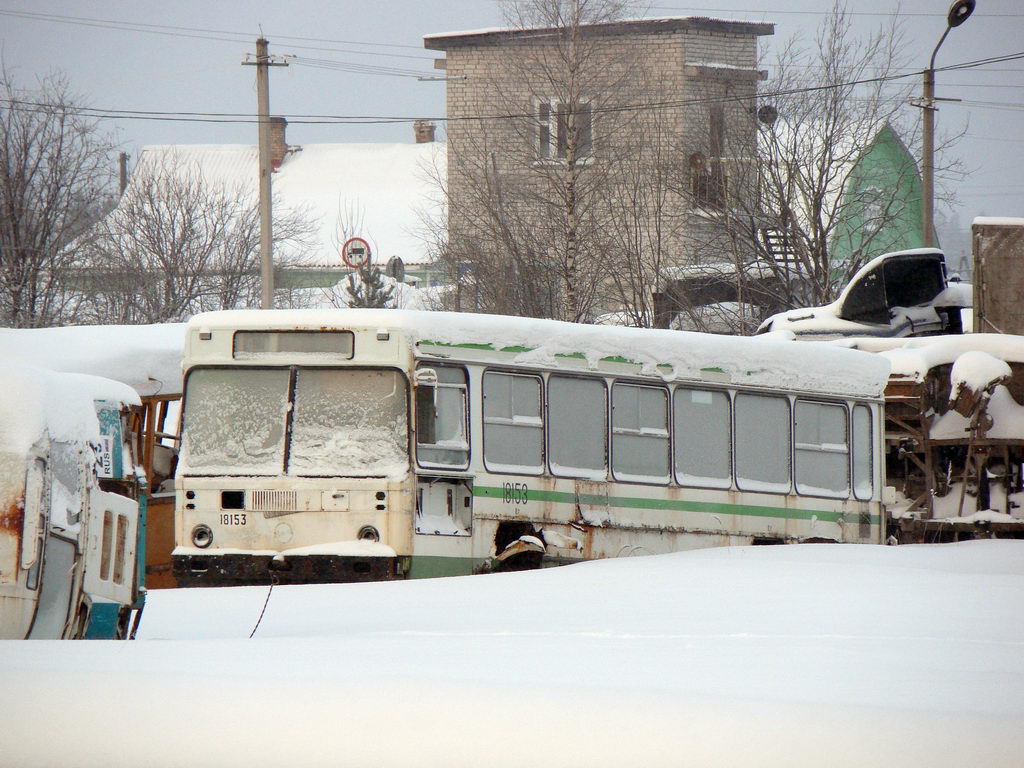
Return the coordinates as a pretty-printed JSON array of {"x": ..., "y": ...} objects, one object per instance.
[
  {"x": 344, "y": 445},
  {"x": 69, "y": 506},
  {"x": 954, "y": 433},
  {"x": 905, "y": 293},
  {"x": 147, "y": 358}
]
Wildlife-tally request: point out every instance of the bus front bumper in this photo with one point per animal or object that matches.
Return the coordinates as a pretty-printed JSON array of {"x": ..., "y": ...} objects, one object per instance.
[{"x": 229, "y": 570}]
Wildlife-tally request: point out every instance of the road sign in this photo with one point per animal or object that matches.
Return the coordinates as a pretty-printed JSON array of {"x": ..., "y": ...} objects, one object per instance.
[{"x": 355, "y": 252}]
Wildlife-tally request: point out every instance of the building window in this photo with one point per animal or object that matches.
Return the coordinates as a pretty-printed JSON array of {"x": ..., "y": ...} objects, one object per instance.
[
  {"x": 709, "y": 179},
  {"x": 561, "y": 127}
]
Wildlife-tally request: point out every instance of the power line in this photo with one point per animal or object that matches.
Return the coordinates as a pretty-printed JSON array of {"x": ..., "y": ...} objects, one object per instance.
[
  {"x": 235, "y": 117},
  {"x": 199, "y": 33},
  {"x": 763, "y": 11}
]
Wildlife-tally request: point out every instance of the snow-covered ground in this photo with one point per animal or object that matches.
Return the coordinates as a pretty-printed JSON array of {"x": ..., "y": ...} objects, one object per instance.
[{"x": 838, "y": 655}]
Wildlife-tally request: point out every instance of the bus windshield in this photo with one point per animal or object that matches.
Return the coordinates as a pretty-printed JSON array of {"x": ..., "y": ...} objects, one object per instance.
[{"x": 345, "y": 422}]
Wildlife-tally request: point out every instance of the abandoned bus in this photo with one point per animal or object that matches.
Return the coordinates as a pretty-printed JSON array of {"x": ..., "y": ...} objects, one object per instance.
[
  {"x": 70, "y": 528},
  {"x": 366, "y": 444}
]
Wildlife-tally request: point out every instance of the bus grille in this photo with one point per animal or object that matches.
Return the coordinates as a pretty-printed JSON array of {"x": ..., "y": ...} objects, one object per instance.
[{"x": 274, "y": 503}]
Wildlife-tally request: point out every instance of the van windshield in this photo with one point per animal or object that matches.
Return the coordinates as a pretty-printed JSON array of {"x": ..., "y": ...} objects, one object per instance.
[{"x": 344, "y": 422}]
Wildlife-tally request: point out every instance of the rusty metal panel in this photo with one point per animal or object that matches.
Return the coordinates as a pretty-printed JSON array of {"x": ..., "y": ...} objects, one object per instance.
[{"x": 998, "y": 276}]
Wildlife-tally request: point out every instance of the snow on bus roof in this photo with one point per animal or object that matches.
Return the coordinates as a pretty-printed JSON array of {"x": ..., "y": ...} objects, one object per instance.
[
  {"x": 145, "y": 357},
  {"x": 758, "y": 361},
  {"x": 912, "y": 358},
  {"x": 38, "y": 401}
]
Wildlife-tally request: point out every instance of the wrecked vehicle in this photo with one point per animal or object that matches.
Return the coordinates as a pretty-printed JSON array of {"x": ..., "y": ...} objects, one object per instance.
[
  {"x": 954, "y": 435},
  {"x": 905, "y": 293},
  {"x": 71, "y": 524}
]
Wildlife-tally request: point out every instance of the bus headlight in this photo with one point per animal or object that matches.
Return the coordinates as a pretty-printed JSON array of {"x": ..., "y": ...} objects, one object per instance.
[
  {"x": 369, "y": 533},
  {"x": 202, "y": 536}
]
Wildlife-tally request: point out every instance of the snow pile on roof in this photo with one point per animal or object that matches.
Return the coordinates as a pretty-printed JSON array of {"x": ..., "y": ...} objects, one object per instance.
[
  {"x": 802, "y": 655},
  {"x": 976, "y": 371},
  {"x": 652, "y": 21},
  {"x": 375, "y": 191},
  {"x": 145, "y": 357},
  {"x": 998, "y": 221},
  {"x": 755, "y": 361},
  {"x": 61, "y": 405},
  {"x": 913, "y": 358}
]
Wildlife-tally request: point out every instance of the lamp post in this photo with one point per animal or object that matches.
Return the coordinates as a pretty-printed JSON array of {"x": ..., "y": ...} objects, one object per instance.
[{"x": 958, "y": 13}]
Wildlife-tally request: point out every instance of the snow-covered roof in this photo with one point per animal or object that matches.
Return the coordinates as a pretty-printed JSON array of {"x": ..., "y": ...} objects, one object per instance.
[
  {"x": 756, "y": 361},
  {"x": 915, "y": 357},
  {"x": 37, "y": 401},
  {"x": 998, "y": 221},
  {"x": 437, "y": 40},
  {"x": 147, "y": 358},
  {"x": 384, "y": 185}
]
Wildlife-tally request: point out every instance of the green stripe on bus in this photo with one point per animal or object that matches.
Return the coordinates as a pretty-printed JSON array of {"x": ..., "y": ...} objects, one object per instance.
[
  {"x": 518, "y": 349},
  {"x": 676, "y": 505}
]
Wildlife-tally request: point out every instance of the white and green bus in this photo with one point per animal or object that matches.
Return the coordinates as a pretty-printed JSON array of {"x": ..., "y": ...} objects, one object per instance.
[{"x": 342, "y": 445}]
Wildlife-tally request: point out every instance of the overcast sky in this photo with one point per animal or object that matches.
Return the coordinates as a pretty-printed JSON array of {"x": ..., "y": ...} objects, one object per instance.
[{"x": 361, "y": 59}]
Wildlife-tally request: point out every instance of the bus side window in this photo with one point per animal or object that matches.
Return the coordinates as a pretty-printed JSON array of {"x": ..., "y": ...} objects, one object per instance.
[
  {"x": 821, "y": 449},
  {"x": 640, "y": 433},
  {"x": 513, "y": 423},
  {"x": 578, "y": 427},
  {"x": 703, "y": 435},
  {"x": 442, "y": 437},
  {"x": 863, "y": 471},
  {"x": 762, "y": 443}
]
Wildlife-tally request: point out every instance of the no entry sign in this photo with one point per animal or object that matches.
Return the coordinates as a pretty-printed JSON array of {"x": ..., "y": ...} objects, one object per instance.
[{"x": 355, "y": 252}]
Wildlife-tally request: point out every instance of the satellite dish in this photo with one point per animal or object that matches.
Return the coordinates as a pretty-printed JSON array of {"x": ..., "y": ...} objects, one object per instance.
[
  {"x": 767, "y": 114},
  {"x": 396, "y": 268}
]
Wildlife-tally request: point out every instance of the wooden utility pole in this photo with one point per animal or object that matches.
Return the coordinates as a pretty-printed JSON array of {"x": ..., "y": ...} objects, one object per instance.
[{"x": 263, "y": 61}]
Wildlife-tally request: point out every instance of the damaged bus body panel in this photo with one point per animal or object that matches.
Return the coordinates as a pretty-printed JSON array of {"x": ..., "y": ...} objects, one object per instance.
[{"x": 70, "y": 521}]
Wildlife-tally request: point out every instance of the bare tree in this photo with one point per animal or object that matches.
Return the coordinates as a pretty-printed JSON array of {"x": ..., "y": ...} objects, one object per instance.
[
  {"x": 56, "y": 172},
  {"x": 178, "y": 244},
  {"x": 818, "y": 215},
  {"x": 525, "y": 197}
]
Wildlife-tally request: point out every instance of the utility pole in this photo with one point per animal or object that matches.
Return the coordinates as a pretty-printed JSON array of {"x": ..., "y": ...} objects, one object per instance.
[
  {"x": 263, "y": 61},
  {"x": 958, "y": 13}
]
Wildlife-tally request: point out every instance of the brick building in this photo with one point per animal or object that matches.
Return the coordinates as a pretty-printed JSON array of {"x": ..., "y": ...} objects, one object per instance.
[{"x": 607, "y": 153}]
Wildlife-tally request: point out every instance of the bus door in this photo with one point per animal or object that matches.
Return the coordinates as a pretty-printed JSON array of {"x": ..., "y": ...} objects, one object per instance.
[
  {"x": 442, "y": 540},
  {"x": 55, "y": 592},
  {"x": 110, "y": 548}
]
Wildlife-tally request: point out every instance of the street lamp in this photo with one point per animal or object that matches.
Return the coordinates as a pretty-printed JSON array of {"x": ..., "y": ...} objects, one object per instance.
[{"x": 958, "y": 13}]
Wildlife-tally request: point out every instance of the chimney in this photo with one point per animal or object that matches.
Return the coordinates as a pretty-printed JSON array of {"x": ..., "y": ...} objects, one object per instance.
[
  {"x": 278, "y": 148},
  {"x": 424, "y": 130}
]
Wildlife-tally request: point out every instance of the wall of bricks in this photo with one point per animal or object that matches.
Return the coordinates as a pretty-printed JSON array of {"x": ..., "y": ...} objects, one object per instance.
[{"x": 651, "y": 90}]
